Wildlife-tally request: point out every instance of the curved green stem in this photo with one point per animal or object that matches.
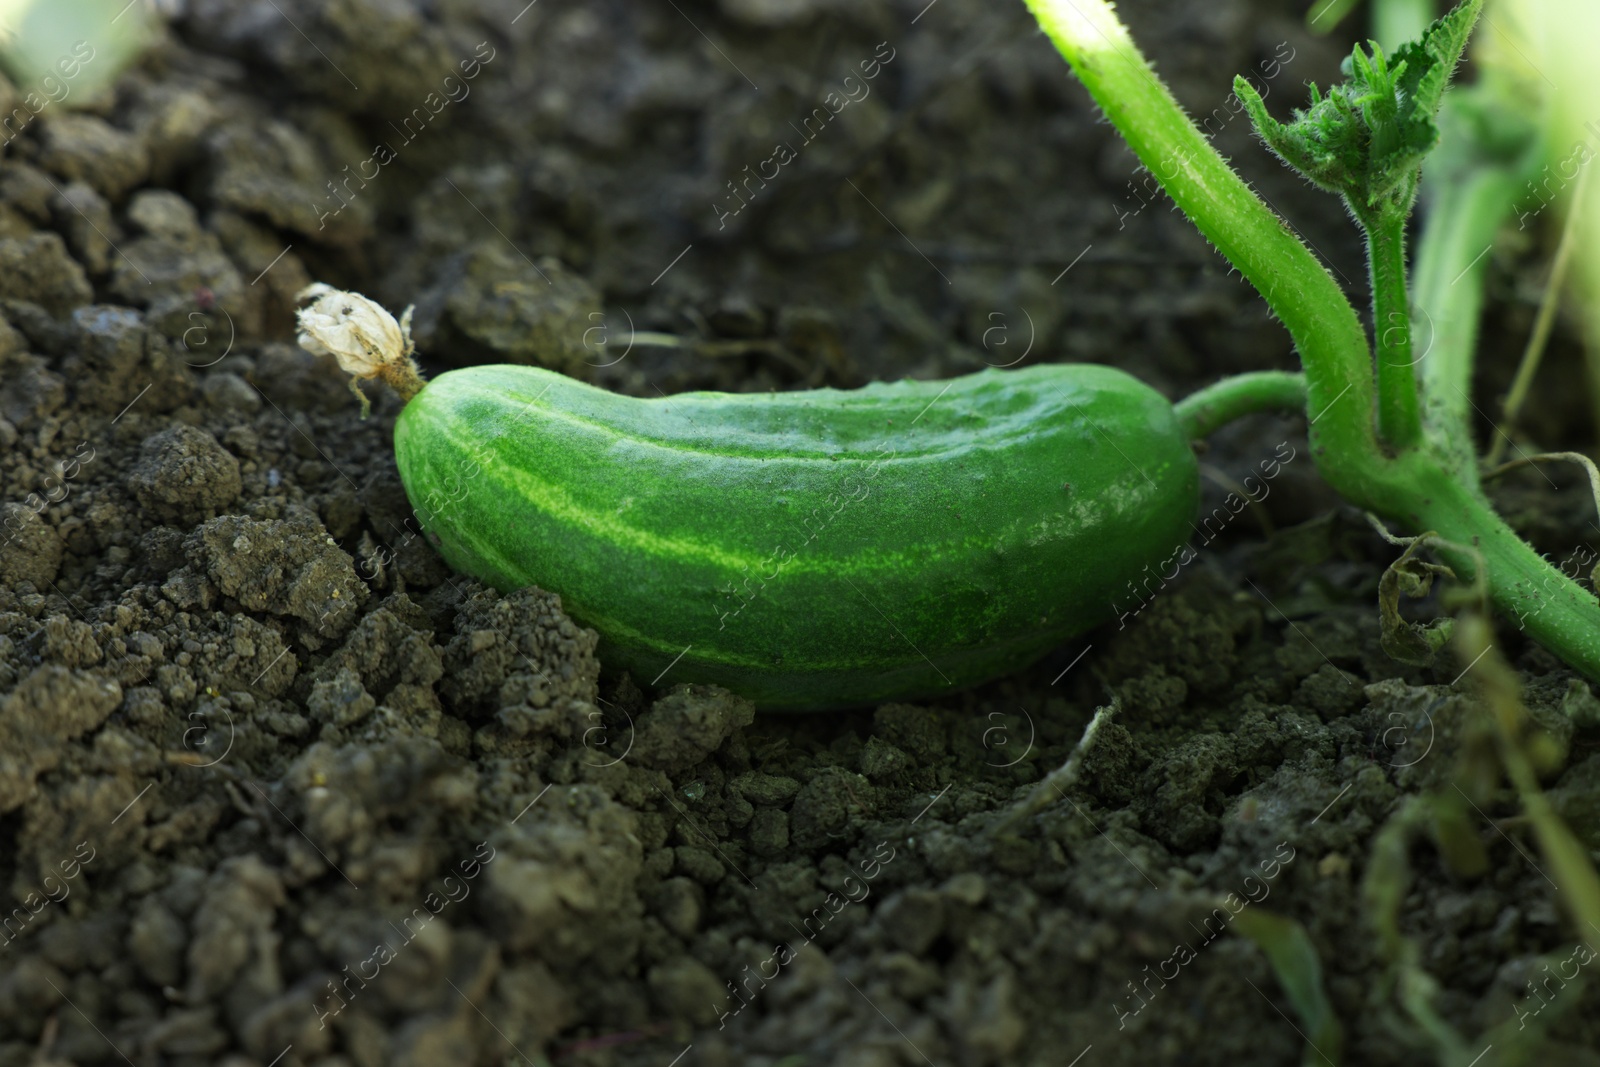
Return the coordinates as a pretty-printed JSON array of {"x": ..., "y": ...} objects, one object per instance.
[
  {"x": 1426, "y": 487},
  {"x": 1298, "y": 288},
  {"x": 1527, "y": 589},
  {"x": 1202, "y": 413},
  {"x": 1399, "y": 415}
]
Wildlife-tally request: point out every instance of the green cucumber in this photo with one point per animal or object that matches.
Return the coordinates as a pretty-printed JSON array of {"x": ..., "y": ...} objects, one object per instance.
[{"x": 811, "y": 549}]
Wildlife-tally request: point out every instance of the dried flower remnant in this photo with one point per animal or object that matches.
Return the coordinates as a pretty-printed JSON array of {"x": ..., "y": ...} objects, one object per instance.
[{"x": 363, "y": 336}]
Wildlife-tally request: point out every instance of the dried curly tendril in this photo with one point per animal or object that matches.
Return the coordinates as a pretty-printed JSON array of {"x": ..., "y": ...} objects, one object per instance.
[{"x": 362, "y": 336}]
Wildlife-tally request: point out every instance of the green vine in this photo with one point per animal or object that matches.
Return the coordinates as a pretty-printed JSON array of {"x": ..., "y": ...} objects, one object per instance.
[
  {"x": 1215, "y": 406},
  {"x": 1382, "y": 442}
]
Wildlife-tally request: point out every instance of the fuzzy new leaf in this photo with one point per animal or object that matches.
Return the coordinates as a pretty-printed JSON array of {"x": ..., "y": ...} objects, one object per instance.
[{"x": 1366, "y": 138}]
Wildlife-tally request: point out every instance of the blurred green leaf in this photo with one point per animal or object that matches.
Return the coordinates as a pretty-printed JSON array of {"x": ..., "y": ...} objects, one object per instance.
[
  {"x": 1325, "y": 15},
  {"x": 60, "y": 48},
  {"x": 1294, "y": 959}
]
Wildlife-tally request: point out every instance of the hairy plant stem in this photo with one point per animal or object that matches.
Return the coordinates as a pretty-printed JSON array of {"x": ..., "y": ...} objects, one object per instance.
[
  {"x": 1422, "y": 486},
  {"x": 1300, "y": 291},
  {"x": 1527, "y": 589},
  {"x": 1479, "y": 196},
  {"x": 1399, "y": 415},
  {"x": 1202, "y": 413}
]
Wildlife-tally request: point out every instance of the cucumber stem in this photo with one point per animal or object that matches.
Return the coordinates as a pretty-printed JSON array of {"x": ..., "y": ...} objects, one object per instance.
[
  {"x": 1524, "y": 587},
  {"x": 1203, "y": 413},
  {"x": 1297, "y": 287},
  {"x": 1399, "y": 415},
  {"x": 1431, "y": 483},
  {"x": 403, "y": 377}
]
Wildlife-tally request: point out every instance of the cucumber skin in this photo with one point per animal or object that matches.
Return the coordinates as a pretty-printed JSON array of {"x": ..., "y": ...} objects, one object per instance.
[{"x": 814, "y": 549}]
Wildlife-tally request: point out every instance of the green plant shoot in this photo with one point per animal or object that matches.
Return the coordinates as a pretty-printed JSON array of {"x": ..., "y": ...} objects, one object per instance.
[{"x": 1383, "y": 440}]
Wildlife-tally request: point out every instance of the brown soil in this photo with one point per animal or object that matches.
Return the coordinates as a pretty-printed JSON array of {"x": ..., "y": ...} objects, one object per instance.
[{"x": 323, "y": 802}]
